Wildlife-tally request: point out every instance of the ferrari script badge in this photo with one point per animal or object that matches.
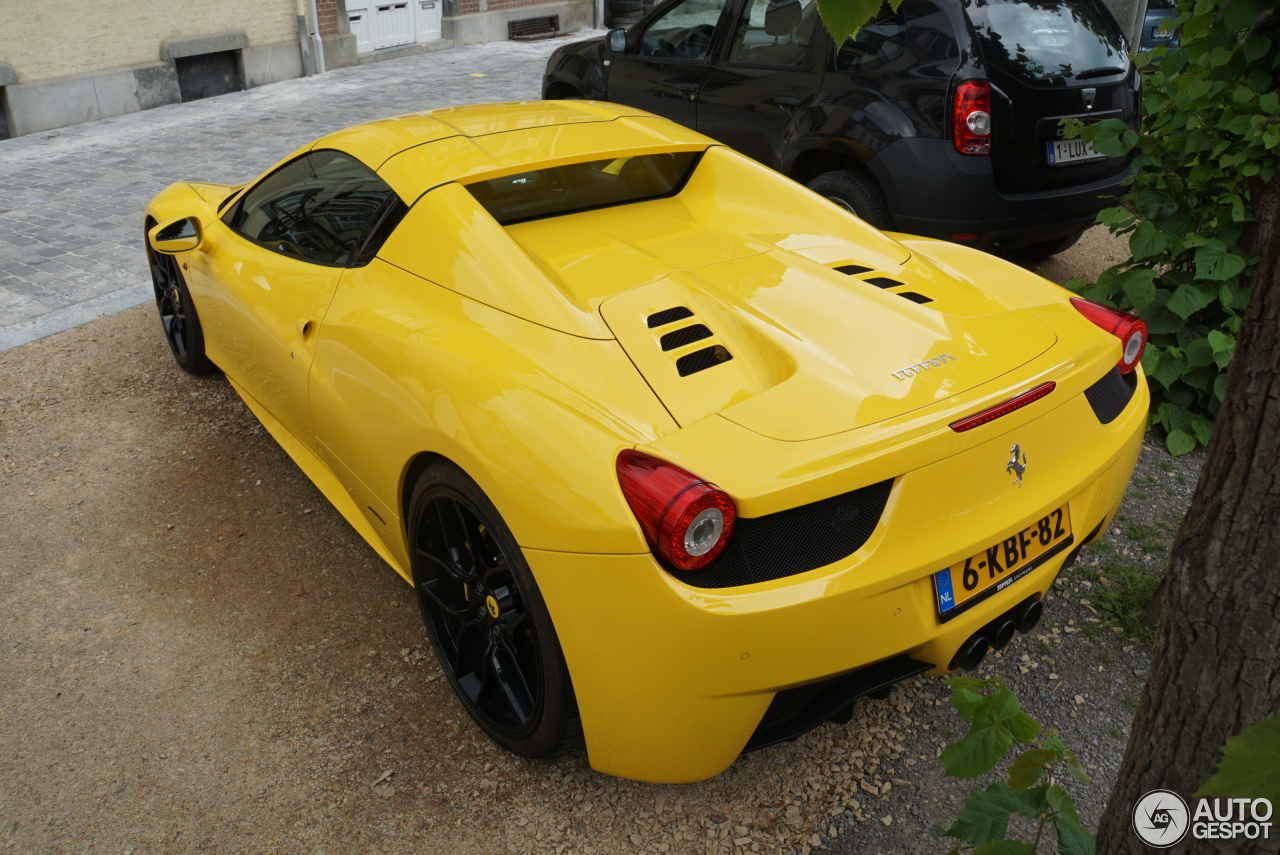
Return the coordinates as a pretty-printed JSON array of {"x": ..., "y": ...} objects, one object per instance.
[
  {"x": 921, "y": 367},
  {"x": 1014, "y": 467}
]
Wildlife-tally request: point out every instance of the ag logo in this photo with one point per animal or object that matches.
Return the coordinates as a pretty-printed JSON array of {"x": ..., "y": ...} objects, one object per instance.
[{"x": 1161, "y": 818}]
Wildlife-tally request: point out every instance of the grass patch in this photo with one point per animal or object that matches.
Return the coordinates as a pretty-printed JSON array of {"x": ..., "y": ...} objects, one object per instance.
[
  {"x": 1166, "y": 465},
  {"x": 1130, "y": 702},
  {"x": 1115, "y": 733},
  {"x": 1044, "y": 649},
  {"x": 1093, "y": 630},
  {"x": 1125, "y": 602},
  {"x": 1149, "y": 537},
  {"x": 1139, "y": 495},
  {"x": 1146, "y": 479},
  {"x": 1106, "y": 657},
  {"x": 1101, "y": 547}
]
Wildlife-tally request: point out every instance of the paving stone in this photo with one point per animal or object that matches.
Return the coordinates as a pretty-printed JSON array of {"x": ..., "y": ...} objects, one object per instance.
[{"x": 71, "y": 200}]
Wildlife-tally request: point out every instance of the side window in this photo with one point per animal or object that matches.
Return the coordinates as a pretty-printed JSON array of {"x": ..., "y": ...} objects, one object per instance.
[
  {"x": 316, "y": 208},
  {"x": 774, "y": 32},
  {"x": 683, "y": 32},
  {"x": 883, "y": 39}
]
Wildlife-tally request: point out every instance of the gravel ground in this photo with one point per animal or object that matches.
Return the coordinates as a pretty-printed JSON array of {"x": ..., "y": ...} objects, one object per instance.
[{"x": 198, "y": 654}]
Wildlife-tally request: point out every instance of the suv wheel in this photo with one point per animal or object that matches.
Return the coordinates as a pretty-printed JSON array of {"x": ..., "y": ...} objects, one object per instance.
[{"x": 856, "y": 194}]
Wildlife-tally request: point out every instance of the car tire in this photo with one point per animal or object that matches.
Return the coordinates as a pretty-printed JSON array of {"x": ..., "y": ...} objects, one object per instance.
[
  {"x": 178, "y": 315},
  {"x": 855, "y": 193},
  {"x": 486, "y": 618},
  {"x": 1043, "y": 249}
]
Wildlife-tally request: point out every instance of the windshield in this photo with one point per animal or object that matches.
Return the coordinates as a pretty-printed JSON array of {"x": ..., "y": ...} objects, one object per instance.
[
  {"x": 584, "y": 186},
  {"x": 1054, "y": 42}
]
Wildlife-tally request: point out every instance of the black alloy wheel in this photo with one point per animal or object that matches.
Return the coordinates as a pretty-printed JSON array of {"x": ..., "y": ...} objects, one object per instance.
[
  {"x": 486, "y": 618},
  {"x": 178, "y": 314}
]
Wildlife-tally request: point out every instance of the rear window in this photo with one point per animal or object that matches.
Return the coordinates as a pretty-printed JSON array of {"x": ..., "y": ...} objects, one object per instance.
[
  {"x": 1048, "y": 41},
  {"x": 584, "y": 186}
]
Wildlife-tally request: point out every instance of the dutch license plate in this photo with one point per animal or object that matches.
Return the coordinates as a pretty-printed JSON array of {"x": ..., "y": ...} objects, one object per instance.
[
  {"x": 993, "y": 569},
  {"x": 1062, "y": 152}
]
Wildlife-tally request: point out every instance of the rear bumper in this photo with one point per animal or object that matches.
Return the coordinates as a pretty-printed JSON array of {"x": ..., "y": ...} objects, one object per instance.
[
  {"x": 672, "y": 682},
  {"x": 935, "y": 191}
]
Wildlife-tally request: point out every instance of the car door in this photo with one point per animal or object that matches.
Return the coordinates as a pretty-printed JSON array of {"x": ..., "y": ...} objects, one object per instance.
[
  {"x": 270, "y": 269},
  {"x": 664, "y": 66},
  {"x": 755, "y": 96}
]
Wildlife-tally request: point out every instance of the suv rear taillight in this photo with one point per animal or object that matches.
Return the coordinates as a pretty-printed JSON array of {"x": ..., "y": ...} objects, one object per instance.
[
  {"x": 971, "y": 117},
  {"x": 1131, "y": 331},
  {"x": 687, "y": 521}
]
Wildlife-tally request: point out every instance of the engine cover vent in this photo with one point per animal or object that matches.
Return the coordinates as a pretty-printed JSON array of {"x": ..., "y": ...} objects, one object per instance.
[
  {"x": 883, "y": 282},
  {"x": 701, "y": 360},
  {"x": 669, "y": 316},
  {"x": 914, "y": 297},
  {"x": 687, "y": 335},
  {"x": 852, "y": 269}
]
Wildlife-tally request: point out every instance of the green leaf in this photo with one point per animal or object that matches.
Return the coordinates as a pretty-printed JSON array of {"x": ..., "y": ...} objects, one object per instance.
[
  {"x": 1199, "y": 353},
  {"x": 997, "y": 708},
  {"x": 966, "y": 703},
  {"x": 1219, "y": 386},
  {"x": 1213, "y": 263},
  {"x": 1075, "y": 769},
  {"x": 1005, "y": 847},
  {"x": 843, "y": 18},
  {"x": 1023, "y": 727},
  {"x": 1203, "y": 429},
  {"x": 1269, "y": 102},
  {"x": 1187, "y": 300},
  {"x": 1147, "y": 241},
  {"x": 1250, "y": 765},
  {"x": 1221, "y": 342},
  {"x": 1179, "y": 443},
  {"x": 1139, "y": 287},
  {"x": 978, "y": 752},
  {"x": 986, "y": 813},
  {"x": 1026, "y": 770},
  {"x": 1072, "y": 838}
]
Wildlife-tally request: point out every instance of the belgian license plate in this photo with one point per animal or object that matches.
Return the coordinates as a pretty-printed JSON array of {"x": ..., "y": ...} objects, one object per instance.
[
  {"x": 995, "y": 568},
  {"x": 1062, "y": 152}
]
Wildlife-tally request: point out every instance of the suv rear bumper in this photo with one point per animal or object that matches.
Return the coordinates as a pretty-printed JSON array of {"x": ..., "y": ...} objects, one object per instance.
[{"x": 935, "y": 191}]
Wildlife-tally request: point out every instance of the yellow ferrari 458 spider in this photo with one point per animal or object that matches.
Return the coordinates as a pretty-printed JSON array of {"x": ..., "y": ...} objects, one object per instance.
[{"x": 680, "y": 458}]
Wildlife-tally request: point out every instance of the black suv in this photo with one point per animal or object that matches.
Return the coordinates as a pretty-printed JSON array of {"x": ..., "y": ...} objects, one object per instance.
[{"x": 940, "y": 119}]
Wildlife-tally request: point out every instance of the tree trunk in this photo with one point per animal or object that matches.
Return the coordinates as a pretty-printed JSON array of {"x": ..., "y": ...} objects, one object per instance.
[{"x": 1215, "y": 668}]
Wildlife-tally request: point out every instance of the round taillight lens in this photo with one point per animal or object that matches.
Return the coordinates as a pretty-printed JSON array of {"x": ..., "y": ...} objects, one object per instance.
[
  {"x": 979, "y": 122},
  {"x": 1131, "y": 331},
  {"x": 686, "y": 520}
]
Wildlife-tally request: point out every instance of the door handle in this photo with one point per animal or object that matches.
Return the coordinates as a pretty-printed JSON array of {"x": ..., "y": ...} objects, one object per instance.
[
  {"x": 786, "y": 101},
  {"x": 686, "y": 89}
]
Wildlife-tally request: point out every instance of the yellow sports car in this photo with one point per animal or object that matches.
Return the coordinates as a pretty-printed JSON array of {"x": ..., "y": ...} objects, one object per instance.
[{"x": 680, "y": 458}]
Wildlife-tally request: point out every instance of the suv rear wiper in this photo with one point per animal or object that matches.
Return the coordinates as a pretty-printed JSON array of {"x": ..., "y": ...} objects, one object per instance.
[{"x": 1100, "y": 71}]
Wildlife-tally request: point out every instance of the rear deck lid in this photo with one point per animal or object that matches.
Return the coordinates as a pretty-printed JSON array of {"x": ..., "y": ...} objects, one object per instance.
[{"x": 795, "y": 350}]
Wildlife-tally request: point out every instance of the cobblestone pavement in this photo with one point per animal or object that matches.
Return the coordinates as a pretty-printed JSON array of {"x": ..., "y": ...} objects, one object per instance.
[{"x": 71, "y": 200}]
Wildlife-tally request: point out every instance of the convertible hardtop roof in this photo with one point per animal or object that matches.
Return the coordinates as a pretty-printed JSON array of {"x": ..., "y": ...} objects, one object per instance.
[{"x": 419, "y": 150}]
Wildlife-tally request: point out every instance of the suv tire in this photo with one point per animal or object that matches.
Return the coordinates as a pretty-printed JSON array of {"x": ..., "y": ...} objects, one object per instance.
[{"x": 856, "y": 194}]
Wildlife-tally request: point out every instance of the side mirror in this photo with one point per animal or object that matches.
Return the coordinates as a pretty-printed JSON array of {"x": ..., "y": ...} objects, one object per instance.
[
  {"x": 618, "y": 40},
  {"x": 176, "y": 236}
]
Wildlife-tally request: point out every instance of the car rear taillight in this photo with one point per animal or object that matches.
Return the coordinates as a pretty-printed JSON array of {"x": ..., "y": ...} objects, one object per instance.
[
  {"x": 686, "y": 520},
  {"x": 990, "y": 414},
  {"x": 1131, "y": 331},
  {"x": 971, "y": 117}
]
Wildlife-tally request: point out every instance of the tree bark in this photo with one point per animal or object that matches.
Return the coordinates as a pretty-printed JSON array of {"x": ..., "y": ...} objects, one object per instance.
[{"x": 1215, "y": 667}]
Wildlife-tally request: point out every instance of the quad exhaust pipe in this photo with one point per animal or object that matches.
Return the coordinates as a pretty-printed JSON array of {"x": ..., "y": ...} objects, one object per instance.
[{"x": 994, "y": 636}]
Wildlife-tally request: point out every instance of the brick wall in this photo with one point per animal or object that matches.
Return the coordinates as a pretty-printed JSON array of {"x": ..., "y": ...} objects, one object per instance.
[
  {"x": 327, "y": 11},
  {"x": 52, "y": 38}
]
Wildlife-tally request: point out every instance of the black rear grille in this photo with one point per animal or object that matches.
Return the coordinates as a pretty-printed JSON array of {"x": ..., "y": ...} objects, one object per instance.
[
  {"x": 796, "y": 540},
  {"x": 1110, "y": 395},
  {"x": 883, "y": 282},
  {"x": 687, "y": 335},
  {"x": 852, "y": 269},
  {"x": 914, "y": 297},
  {"x": 701, "y": 360},
  {"x": 797, "y": 711},
  {"x": 669, "y": 316}
]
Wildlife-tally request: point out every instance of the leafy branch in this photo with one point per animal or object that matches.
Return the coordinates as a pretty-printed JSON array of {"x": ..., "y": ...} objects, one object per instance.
[{"x": 996, "y": 724}]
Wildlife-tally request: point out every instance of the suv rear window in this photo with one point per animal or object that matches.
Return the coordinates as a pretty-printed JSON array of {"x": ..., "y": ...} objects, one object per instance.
[
  {"x": 584, "y": 186},
  {"x": 1054, "y": 42}
]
